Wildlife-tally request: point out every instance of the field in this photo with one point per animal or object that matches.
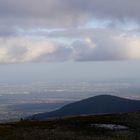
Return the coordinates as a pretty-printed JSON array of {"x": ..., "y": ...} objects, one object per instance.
[{"x": 75, "y": 128}]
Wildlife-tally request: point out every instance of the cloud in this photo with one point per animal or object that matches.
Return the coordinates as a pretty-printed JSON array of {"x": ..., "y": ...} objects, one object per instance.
[
  {"x": 105, "y": 45},
  {"x": 101, "y": 44},
  {"x": 5, "y": 31},
  {"x": 21, "y": 50},
  {"x": 94, "y": 45},
  {"x": 58, "y": 30},
  {"x": 109, "y": 48},
  {"x": 64, "y": 13}
]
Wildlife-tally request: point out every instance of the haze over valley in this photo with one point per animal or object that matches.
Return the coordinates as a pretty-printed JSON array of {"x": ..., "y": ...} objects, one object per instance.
[{"x": 18, "y": 101}]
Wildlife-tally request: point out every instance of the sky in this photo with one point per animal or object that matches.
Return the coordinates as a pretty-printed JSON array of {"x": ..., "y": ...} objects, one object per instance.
[{"x": 54, "y": 40}]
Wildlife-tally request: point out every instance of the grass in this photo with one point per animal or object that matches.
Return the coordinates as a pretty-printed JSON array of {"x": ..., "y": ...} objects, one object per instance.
[{"x": 74, "y": 128}]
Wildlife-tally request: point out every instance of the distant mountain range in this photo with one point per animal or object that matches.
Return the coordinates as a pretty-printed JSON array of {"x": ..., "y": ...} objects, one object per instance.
[{"x": 94, "y": 105}]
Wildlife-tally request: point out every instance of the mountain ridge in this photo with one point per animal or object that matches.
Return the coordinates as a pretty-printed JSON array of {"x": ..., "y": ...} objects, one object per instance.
[{"x": 94, "y": 105}]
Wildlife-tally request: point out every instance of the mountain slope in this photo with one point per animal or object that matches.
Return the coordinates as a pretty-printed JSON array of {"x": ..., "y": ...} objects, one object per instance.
[
  {"x": 94, "y": 105},
  {"x": 89, "y": 127}
]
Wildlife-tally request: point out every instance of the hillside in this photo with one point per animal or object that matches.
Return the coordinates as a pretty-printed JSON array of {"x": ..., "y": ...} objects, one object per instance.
[
  {"x": 94, "y": 105},
  {"x": 120, "y": 126}
]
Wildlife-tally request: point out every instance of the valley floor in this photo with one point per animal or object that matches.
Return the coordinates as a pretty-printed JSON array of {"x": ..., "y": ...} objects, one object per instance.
[{"x": 124, "y": 126}]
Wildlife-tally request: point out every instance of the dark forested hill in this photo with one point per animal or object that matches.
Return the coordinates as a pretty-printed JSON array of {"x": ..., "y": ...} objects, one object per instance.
[{"x": 94, "y": 105}]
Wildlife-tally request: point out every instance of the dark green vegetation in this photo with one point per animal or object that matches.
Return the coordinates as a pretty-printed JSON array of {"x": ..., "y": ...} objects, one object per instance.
[
  {"x": 74, "y": 128},
  {"x": 94, "y": 105}
]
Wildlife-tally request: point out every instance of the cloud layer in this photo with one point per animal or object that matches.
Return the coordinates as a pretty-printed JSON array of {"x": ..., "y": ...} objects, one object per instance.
[
  {"x": 63, "y": 30},
  {"x": 67, "y": 12}
]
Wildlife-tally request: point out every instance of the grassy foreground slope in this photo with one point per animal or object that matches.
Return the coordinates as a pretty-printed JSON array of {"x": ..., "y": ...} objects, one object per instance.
[{"x": 74, "y": 128}]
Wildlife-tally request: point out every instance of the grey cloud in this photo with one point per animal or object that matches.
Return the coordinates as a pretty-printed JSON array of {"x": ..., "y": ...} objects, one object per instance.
[
  {"x": 101, "y": 52},
  {"x": 81, "y": 33},
  {"x": 87, "y": 44},
  {"x": 63, "y": 13},
  {"x": 101, "y": 44},
  {"x": 61, "y": 53},
  {"x": 5, "y": 31},
  {"x": 109, "y": 48}
]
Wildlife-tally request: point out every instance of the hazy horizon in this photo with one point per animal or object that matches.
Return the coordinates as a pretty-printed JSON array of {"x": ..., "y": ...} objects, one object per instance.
[{"x": 70, "y": 71}]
